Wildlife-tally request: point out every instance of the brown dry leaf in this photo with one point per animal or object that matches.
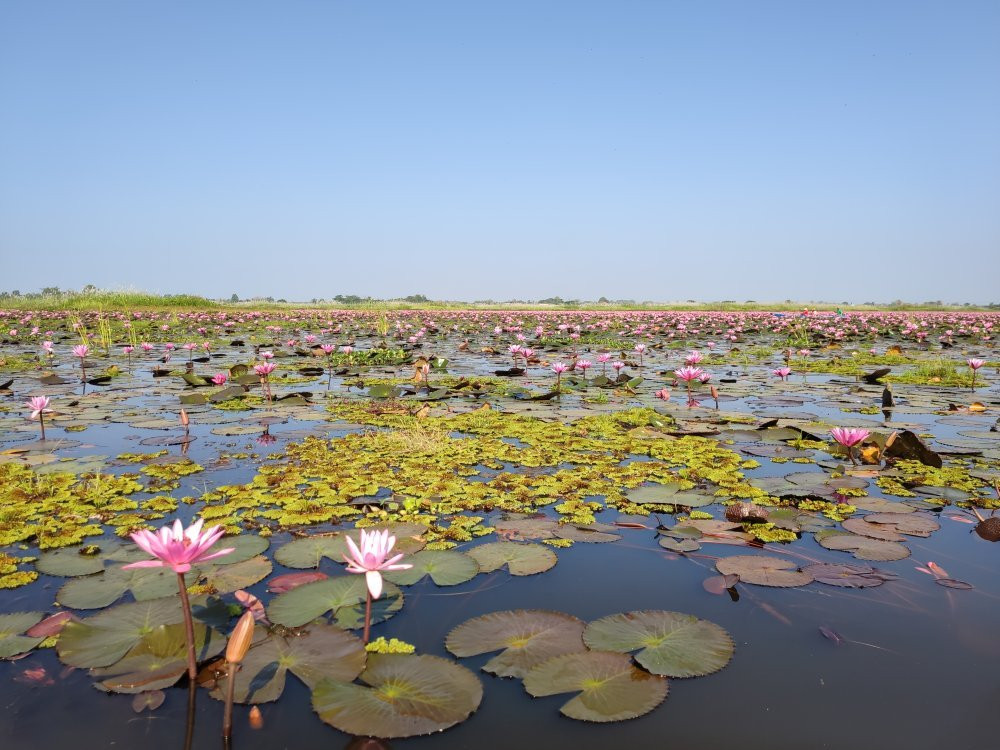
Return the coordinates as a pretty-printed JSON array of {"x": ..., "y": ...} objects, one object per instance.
[
  {"x": 871, "y": 455},
  {"x": 977, "y": 406},
  {"x": 894, "y": 351}
]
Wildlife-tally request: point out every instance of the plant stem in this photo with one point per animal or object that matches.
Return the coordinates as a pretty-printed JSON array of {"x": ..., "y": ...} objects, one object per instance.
[
  {"x": 188, "y": 627},
  {"x": 41, "y": 423},
  {"x": 368, "y": 616},
  {"x": 227, "y": 715}
]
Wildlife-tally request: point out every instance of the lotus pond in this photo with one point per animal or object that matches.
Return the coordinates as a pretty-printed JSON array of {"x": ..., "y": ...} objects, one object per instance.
[{"x": 607, "y": 548}]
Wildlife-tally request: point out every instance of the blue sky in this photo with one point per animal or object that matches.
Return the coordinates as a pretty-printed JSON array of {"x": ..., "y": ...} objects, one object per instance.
[{"x": 470, "y": 150}]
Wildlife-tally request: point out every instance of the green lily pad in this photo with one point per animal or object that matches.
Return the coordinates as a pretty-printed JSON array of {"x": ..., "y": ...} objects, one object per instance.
[
  {"x": 445, "y": 567},
  {"x": 159, "y": 659},
  {"x": 679, "y": 545},
  {"x": 523, "y": 529},
  {"x": 343, "y": 595},
  {"x": 610, "y": 686},
  {"x": 103, "y": 589},
  {"x": 83, "y": 560},
  {"x": 672, "y": 644},
  {"x": 309, "y": 551},
  {"x": 410, "y": 695},
  {"x": 527, "y": 636},
  {"x": 223, "y": 579},
  {"x": 322, "y": 652},
  {"x": 12, "y": 625},
  {"x": 103, "y": 639},
  {"x": 764, "y": 570},
  {"x": 520, "y": 559},
  {"x": 863, "y": 547}
]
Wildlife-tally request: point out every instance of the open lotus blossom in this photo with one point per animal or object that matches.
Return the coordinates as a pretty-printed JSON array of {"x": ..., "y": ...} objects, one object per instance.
[
  {"x": 265, "y": 368},
  {"x": 974, "y": 364},
  {"x": 220, "y": 378},
  {"x": 687, "y": 374},
  {"x": 782, "y": 372},
  {"x": 39, "y": 406},
  {"x": 694, "y": 358},
  {"x": 583, "y": 365},
  {"x": 618, "y": 366},
  {"x": 849, "y": 437},
  {"x": 663, "y": 394},
  {"x": 81, "y": 350},
  {"x": 177, "y": 547},
  {"x": 372, "y": 556}
]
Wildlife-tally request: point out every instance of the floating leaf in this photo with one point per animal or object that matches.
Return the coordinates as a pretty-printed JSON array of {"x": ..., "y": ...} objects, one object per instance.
[
  {"x": 527, "y": 636},
  {"x": 309, "y": 551},
  {"x": 863, "y": 548},
  {"x": 159, "y": 659},
  {"x": 844, "y": 575},
  {"x": 341, "y": 595},
  {"x": 952, "y": 583},
  {"x": 719, "y": 584},
  {"x": 672, "y": 644},
  {"x": 445, "y": 567},
  {"x": 11, "y": 625},
  {"x": 106, "y": 637},
  {"x": 611, "y": 687},
  {"x": 151, "y": 700},
  {"x": 520, "y": 559},
  {"x": 289, "y": 581},
  {"x": 409, "y": 695},
  {"x": 320, "y": 652},
  {"x": 763, "y": 570}
]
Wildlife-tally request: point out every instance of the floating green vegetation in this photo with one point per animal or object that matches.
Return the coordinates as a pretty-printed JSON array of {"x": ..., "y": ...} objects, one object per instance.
[
  {"x": 392, "y": 646},
  {"x": 19, "y": 362},
  {"x": 59, "y": 509}
]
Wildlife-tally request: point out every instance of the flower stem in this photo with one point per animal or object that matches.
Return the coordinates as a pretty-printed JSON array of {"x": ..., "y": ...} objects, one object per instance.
[
  {"x": 188, "y": 627},
  {"x": 227, "y": 715},
  {"x": 41, "y": 423},
  {"x": 368, "y": 616}
]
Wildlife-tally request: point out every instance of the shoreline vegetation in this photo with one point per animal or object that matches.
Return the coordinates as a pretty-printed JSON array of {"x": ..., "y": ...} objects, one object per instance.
[{"x": 51, "y": 299}]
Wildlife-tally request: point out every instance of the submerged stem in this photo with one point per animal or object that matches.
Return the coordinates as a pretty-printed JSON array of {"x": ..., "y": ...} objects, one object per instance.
[
  {"x": 368, "y": 615},
  {"x": 188, "y": 628}
]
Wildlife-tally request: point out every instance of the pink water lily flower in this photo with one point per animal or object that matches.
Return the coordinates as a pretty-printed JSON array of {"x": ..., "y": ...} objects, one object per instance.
[
  {"x": 38, "y": 405},
  {"x": 782, "y": 372},
  {"x": 264, "y": 369},
  {"x": 81, "y": 350},
  {"x": 559, "y": 368},
  {"x": 177, "y": 548},
  {"x": 372, "y": 556},
  {"x": 849, "y": 437},
  {"x": 220, "y": 378},
  {"x": 687, "y": 374}
]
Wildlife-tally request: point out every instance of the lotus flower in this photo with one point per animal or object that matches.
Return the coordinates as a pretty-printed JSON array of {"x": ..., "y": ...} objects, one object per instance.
[
  {"x": 178, "y": 548},
  {"x": 782, "y": 372},
  {"x": 264, "y": 369},
  {"x": 220, "y": 378},
  {"x": 372, "y": 557},
  {"x": 39, "y": 406},
  {"x": 974, "y": 364},
  {"x": 849, "y": 437},
  {"x": 81, "y": 350}
]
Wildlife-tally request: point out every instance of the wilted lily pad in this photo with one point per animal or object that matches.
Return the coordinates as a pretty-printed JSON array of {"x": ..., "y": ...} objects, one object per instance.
[
  {"x": 343, "y": 595},
  {"x": 320, "y": 652},
  {"x": 409, "y": 695},
  {"x": 847, "y": 576},
  {"x": 445, "y": 567},
  {"x": 527, "y": 636},
  {"x": 672, "y": 644},
  {"x": 521, "y": 559},
  {"x": 764, "y": 570},
  {"x": 12, "y": 625},
  {"x": 610, "y": 686}
]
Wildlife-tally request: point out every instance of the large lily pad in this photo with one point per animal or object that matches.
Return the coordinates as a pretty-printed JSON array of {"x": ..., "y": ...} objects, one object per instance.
[
  {"x": 847, "y": 576},
  {"x": 344, "y": 596},
  {"x": 520, "y": 559},
  {"x": 764, "y": 570},
  {"x": 863, "y": 547},
  {"x": 103, "y": 639},
  {"x": 445, "y": 567},
  {"x": 12, "y": 625},
  {"x": 672, "y": 644},
  {"x": 159, "y": 659},
  {"x": 309, "y": 551},
  {"x": 527, "y": 636},
  {"x": 524, "y": 529},
  {"x": 320, "y": 652},
  {"x": 409, "y": 695},
  {"x": 610, "y": 686}
]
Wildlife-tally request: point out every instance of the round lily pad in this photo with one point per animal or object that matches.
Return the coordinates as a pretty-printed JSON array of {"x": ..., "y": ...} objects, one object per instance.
[
  {"x": 308, "y": 551},
  {"x": 520, "y": 559},
  {"x": 764, "y": 570},
  {"x": 159, "y": 659},
  {"x": 846, "y": 576},
  {"x": 863, "y": 547},
  {"x": 873, "y": 530},
  {"x": 610, "y": 686},
  {"x": 445, "y": 567},
  {"x": 527, "y": 636},
  {"x": 83, "y": 560},
  {"x": 672, "y": 644},
  {"x": 12, "y": 625},
  {"x": 343, "y": 595},
  {"x": 409, "y": 695},
  {"x": 912, "y": 524},
  {"x": 317, "y": 653}
]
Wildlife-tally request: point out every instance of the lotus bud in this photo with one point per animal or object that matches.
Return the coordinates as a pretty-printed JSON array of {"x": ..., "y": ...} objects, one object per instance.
[
  {"x": 185, "y": 419},
  {"x": 240, "y": 639}
]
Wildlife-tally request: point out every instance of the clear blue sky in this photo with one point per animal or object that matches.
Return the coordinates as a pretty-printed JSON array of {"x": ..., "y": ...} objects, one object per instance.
[{"x": 471, "y": 149}]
